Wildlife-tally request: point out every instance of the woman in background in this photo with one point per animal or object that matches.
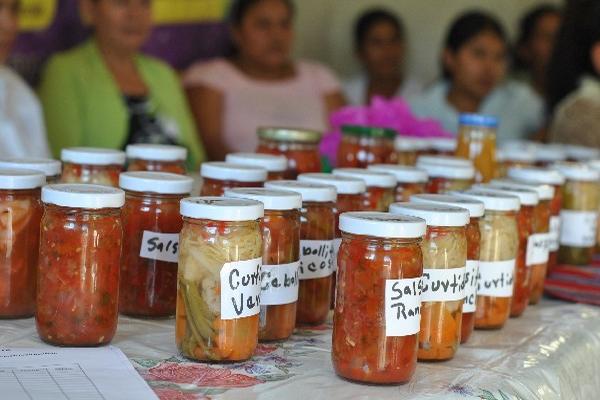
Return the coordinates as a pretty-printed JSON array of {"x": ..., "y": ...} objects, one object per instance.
[
  {"x": 474, "y": 64},
  {"x": 260, "y": 85},
  {"x": 380, "y": 45},
  {"x": 105, "y": 93}
]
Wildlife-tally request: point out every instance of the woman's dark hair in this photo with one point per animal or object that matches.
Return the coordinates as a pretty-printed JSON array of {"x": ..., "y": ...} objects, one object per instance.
[
  {"x": 240, "y": 8},
  {"x": 466, "y": 27},
  {"x": 570, "y": 60},
  {"x": 527, "y": 27},
  {"x": 369, "y": 19}
]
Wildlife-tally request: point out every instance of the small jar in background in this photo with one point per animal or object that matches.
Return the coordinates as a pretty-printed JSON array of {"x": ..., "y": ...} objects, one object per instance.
[
  {"x": 446, "y": 173},
  {"x": 442, "y": 146},
  {"x": 582, "y": 154},
  {"x": 511, "y": 157},
  {"x": 477, "y": 142},
  {"x": 549, "y": 154},
  {"x": 51, "y": 168},
  {"x": 364, "y": 145},
  {"x": 156, "y": 157},
  {"x": 275, "y": 165},
  {"x": 219, "y": 176},
  {"x": 381, "y": 187},
  {"x": 408, "y": 149},
  {"x": 410, "y": 180},
  {"x": 92, "y": 165}
]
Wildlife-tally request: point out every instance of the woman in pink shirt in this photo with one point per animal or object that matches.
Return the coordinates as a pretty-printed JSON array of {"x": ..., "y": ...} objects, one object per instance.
[{"x": 260, "y": 85}]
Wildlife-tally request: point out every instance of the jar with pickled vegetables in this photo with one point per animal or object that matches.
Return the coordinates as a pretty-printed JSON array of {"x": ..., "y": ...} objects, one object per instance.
[
  {"x": 444, "y": 267},
  {"x": 442, "y": 146},
  {"x": 408, "y": 149},
  {"x": 281, "y": 259},
  {"x": 151, "y": 223},
  {"x": 219, "y": 278},
  {"x": 365, "y": 145},
  {"x": 410, "y": 180},
  {"x": 299, "y": 146},
  {"x": 275, "y": 165},
  {"x": 477, "y": 142},
  {"x": 476, "y": 210},
  {"x": 78, "y": 272},
  {"x": 156, "y": 157},
  {"x": 92, "y": 165},
  {"x": 548, "y": 154},
  {"x": 219, "y": 176},
  {"x": 579, "y": 214},
  {"x": 376, "y": 319},
  {"x": 51, "y": 168},
  {"x": 497, "y": 257},
  {"x": 381, "y": 187},
  {"x": 317, "y": 233},
  {"x": 21, "y": 212},
  {"x": 446, "y": 173}
]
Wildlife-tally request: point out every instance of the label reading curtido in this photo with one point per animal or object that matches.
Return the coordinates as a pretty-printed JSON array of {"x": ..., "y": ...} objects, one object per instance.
[
  {"x": 279, "y": 284},
  {"x": 471, "y": 275},
  {"x": 537, "y": 249},
  {"x": 443, "y": 284},
  {"x": 578, "y": 228},
  {"x": 402, "y": 306},
  {"x": 316, "y": 259},
  {"x": 240, "y": 288},
  {"x": 554, "y": 233},
  {"x": 496, "y": 278},
  {"x": 160, "y": 246}
]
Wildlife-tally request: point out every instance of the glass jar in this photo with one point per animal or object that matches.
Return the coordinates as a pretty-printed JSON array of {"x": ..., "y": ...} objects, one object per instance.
[
  {"x": 476, "y": 210},
  {"x": 316, "y": 248},
  {"x": 299, "y": 146},
  {"x": 275, "y": 165},
  {"x": 92, "y": 165},
  {"x": 513, "y": 157},
  {"x": 281, "y": 259},
  {"x": 579, "y": 214},
  {"x": 581, "y": 153},
  {"x": 218, "y": 291},
  {"x": 446, "y": 173},
  {"x": 364, "y": 145},
  {"x": 51, "y": 168},
  {"x": 409, "y": 180},
  {"x": 376, "y": 318},
  {"x": 381, "y": 187},
  {"x": 498, "y": 253},
  {"x": 78, "y": 272},
  {"x": 21, "y": 212},
  {"x": 477, "y": 142},
  {"x": 548, "y": 154},
  {"x": 219, "y": 176},
  {"x": 442, "y": 146},
  {"x": 408, "y": 149},
  {"x": 156, "y": 157},
  {"x": 151, "y": 223}
]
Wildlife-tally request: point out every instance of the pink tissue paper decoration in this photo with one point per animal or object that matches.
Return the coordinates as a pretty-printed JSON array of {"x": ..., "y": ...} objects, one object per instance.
[{"x": 381, "y": 113}]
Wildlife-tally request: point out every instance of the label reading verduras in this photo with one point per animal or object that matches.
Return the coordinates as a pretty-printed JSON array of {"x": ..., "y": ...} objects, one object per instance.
[
  {"x": 496, "y": 278},
  {"x": 279, "y": 284},
  {"x": 402, "y": 306},
  {"x": 443, "y": 284},
  {"x": 578, "y": 228},
  {"x": 471, "y": 275},
  {"x": 160, "y": 246},
  {"x": 240, "y": 288},
  {"x": 537, "y": 249},
  {"x": 316, "y": 259}
]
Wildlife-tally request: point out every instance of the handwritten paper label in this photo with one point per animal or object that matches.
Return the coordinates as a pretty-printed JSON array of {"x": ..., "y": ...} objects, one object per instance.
[
  {"x": 240, "y": 288},
  {"x": 336, "y": 249},
  {"x": 279, "y": 284},
  {"x": 316, "y": 259},
  {"x": 160, "y": 246},
  {"x": 554, "y": 242},
  {"x": 443, "y": 284},
  {"x": 537, "y": 249},
  {"x": 472, "y": 271},
  {"x": 578, "y": 228},
  {"x": 496, "y": 278},
  {"x": 402, "y": 306}
]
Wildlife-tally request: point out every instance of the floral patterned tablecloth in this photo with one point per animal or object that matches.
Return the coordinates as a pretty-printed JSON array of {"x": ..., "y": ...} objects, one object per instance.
[{"x": 551, "y": 352}]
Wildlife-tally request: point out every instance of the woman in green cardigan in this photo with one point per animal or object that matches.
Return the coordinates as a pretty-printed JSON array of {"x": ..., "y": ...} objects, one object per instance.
[{"x": 105, "y": 93}]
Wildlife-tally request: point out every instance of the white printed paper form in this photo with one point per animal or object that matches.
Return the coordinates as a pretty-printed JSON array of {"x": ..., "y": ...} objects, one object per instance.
[{"x": 102, "y": 373}]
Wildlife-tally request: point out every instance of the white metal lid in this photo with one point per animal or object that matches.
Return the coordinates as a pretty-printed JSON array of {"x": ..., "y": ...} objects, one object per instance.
[
  {"x": 550, "y": 153},
  {"x": 225, "y": 171},
  {"x": 582, "y": 153},
  {"x": 83, "y": 195},
  {"x": 527, "y": 196},
  {"x": 92, "y": 156},
  {"x": 156, "y": 182},
  {"x": 270, "y": 162},
  {"x": 221, "y": 209},
  {"x": 343, "y": 184},
  {"x": 272, "y": 199},
  {"x": 407, "y": 143},
  {"x": 577, "y": 171},
  {"x": 403, "y": 174},
  {"x": 536, "y": 175},
  {"x": 48, "y": 166},
  {"x": 156, "y": 152},
  {"x": 475, "y": 207},
  {"x": 371, "y": 178},
  {"x": 381, "y": 224},
  {"x": 517, "y": 154},
  {"x": 445, "y": 145},
  {"x": 448, "y": 171},
  {"x": 492, "y": 201},
  {"x": 445, "y": 161},
  {"x": 308, "y": 190},
  {"x": 544, "y": 191},
  {"x": 434, "y": 214},
  {"x": 11, "y": 178}
]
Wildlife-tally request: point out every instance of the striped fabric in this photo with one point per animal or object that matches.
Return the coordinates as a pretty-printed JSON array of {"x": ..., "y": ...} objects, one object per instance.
[{"x": 580, "y": 284}]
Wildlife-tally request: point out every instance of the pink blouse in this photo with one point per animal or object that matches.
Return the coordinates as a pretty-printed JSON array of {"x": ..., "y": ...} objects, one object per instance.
[{"x": 249, "y": 103}]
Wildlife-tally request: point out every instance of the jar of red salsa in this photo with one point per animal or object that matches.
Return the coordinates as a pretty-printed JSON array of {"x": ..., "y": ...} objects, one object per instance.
[
  {"x": 444, "y": 267},
  {"x": 21, "y": 211},
  {"x": 381, "y": 187},
  {"x": 275, "y": 165},
  {"x": 151, "y": 222},
  {"x": 408, "y": 149},
  {"x": 78, "y": 272},
  {"x": 365, "y": 145},
  {"x": 51, "y": 168},
  {"x": 281, "y": 259},
  {"x": 299, "y": 146},
  {"x": 156, "y": 157},
  {"x": 219, "y": 176},
  {"x": 513, "y": 157},
  {"x": 376, "y": 318},
  {"x": 316, "y": 248},
  {"x": 92, "y": 165},
  {"x": 446, "y": 173},
  {"x": 409, "y": 180}
]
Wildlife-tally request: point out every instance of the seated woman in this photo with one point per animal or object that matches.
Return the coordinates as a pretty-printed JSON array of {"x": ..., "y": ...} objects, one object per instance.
[
  {"x": 22, "y": 131},
  {"x": 474, "y": 68},
  {"x": 380, "y": 45},
  {"x": 105, "y": 93},
  {"x": 260, "y": 85}
]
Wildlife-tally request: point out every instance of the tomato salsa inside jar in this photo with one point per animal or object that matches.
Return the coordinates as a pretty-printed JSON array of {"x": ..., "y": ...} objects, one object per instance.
[
  {"x": 381, "y": 187},
  {"x": 275, "y": 165},
  {"x": 157, "y": 158},
  {"x": 92, "y": 165},
  {"x": 446, "y": 173},
  {"x": 410, "y": 180},
  {"x": 364, "y": 145},
  {"x": 219, "y": 176},
  {"x": 51, "y": 168}
]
